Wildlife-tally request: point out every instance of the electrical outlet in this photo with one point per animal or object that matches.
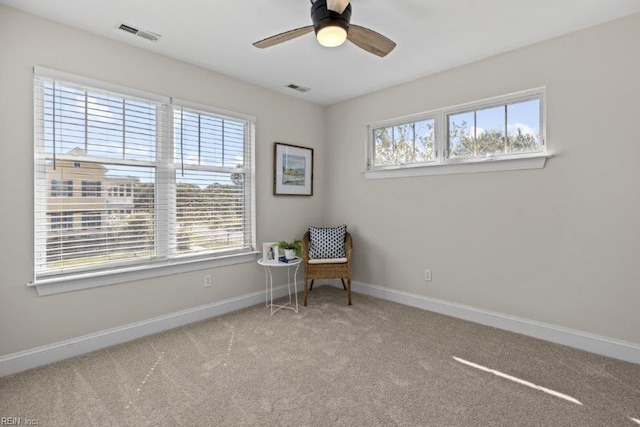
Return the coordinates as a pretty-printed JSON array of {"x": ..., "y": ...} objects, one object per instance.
[
  {"x": 207, "y": 281},
  {"x": 427, "y": 275}
]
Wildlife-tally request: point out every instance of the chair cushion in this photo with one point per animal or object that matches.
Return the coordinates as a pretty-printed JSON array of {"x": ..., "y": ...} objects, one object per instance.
[
  {"x": 327, "y": 242},
  {"x": 328, "y": 261}
]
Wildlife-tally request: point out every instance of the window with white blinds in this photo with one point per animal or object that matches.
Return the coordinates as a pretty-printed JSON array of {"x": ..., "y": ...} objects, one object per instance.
[
  {"x": 128, "y": 179},
  {"x": 211, "y": 183}
]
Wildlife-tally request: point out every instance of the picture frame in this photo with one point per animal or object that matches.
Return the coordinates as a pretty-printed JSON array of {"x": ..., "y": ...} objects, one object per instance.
[
  {"x": 274, "y": 249},
  {"x": 292, "y": 170}
]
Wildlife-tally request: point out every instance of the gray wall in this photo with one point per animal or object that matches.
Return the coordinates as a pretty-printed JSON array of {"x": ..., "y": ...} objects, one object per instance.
[
  {"x": 558, "y": 245},
  {"x": 28, "y": 321}
]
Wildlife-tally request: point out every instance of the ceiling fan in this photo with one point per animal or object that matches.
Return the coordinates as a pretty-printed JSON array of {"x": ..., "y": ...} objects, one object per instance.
[{"x": 331, "y": 23}]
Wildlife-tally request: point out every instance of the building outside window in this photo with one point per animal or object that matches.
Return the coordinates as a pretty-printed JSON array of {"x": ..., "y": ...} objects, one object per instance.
[
  {"x": 91, "y": 188},
  {"x": 61, "y": 188},
  {"x": 61, "y": 220},
  {"x": 91, "y": 220}
]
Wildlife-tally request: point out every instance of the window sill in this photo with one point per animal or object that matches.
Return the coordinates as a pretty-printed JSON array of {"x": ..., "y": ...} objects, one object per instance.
[
  {"x": 58, "y": 285},
  {"x": 485, "y": 165}
]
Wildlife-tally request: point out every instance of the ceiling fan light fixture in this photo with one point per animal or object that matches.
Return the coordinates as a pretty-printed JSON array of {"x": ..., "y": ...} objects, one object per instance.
[
  {"x": 331, "y": 27},
  {"x": 331, "y": 36},
  {"x": 332, "y": 24}
]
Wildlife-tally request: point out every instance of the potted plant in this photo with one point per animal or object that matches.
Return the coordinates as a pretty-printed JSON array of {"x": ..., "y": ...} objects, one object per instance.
[{"x": 291, "y": 249}]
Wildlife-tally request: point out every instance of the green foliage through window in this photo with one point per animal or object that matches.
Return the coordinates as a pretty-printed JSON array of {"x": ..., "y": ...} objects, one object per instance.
[
  {"x": 404, "y": 144},
  {"x": 507, "y": 129},
  {"x": 503, "y": 127}
]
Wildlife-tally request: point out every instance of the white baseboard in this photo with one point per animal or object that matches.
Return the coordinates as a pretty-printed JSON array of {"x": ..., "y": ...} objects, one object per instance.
[
  {"x": 610, "y": 347},
  {"x": 47, "y": 354}
]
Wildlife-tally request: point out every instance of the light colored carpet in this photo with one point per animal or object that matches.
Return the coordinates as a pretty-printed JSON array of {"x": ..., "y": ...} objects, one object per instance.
[{"x": 374, "y": 363}]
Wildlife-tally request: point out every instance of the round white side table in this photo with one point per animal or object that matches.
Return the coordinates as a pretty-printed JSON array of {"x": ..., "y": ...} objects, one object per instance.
[{"x": 268, "y": 285}]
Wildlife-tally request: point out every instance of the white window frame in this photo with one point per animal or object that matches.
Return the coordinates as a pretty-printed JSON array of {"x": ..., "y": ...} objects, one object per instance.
[
  {"x": 414, "y": 118},
  {"x": 162, "y": 265},
  {"x": 248, "y": 170},
  {"x": 441, "y": 165}
]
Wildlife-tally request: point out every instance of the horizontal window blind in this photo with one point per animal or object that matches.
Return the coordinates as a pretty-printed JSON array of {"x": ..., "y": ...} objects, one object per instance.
[
  {"x": 123, "y": 180},
  {"x": 212, "y": 160}
]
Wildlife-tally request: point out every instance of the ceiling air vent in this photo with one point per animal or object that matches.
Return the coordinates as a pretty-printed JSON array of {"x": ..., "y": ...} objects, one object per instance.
[
  {"x": 298, "y": 88},
  {"x": 140, "y": 33}
]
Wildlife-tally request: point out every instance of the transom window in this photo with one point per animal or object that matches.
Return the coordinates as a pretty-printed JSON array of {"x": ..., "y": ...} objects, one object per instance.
[
  {"x": 405, "y": 143},
  {"x": 511, "y": 128},
  {"x": 502, "y": 128},
  {"x": 158, "y": 181}
]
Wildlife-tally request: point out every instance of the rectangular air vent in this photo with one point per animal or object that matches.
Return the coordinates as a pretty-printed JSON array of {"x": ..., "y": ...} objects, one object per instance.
[
  {"x": 128, "y": 29},
  {"x": 298, "y": 88},
  {"x": 138, "y": 32}
]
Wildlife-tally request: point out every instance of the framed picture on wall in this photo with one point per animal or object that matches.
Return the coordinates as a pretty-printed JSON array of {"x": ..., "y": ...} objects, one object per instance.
[{"x": 292, "y": 170}]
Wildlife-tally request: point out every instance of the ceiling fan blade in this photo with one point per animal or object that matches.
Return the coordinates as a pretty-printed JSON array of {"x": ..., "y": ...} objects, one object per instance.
[
  {"x": 370, "y": 41},
  {"x": 283, "y": 37},
  {"x": 337, "y": 6}
]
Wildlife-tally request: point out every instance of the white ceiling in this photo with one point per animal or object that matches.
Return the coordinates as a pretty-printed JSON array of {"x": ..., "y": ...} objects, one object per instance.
[{"x": 432, "y": 35}]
